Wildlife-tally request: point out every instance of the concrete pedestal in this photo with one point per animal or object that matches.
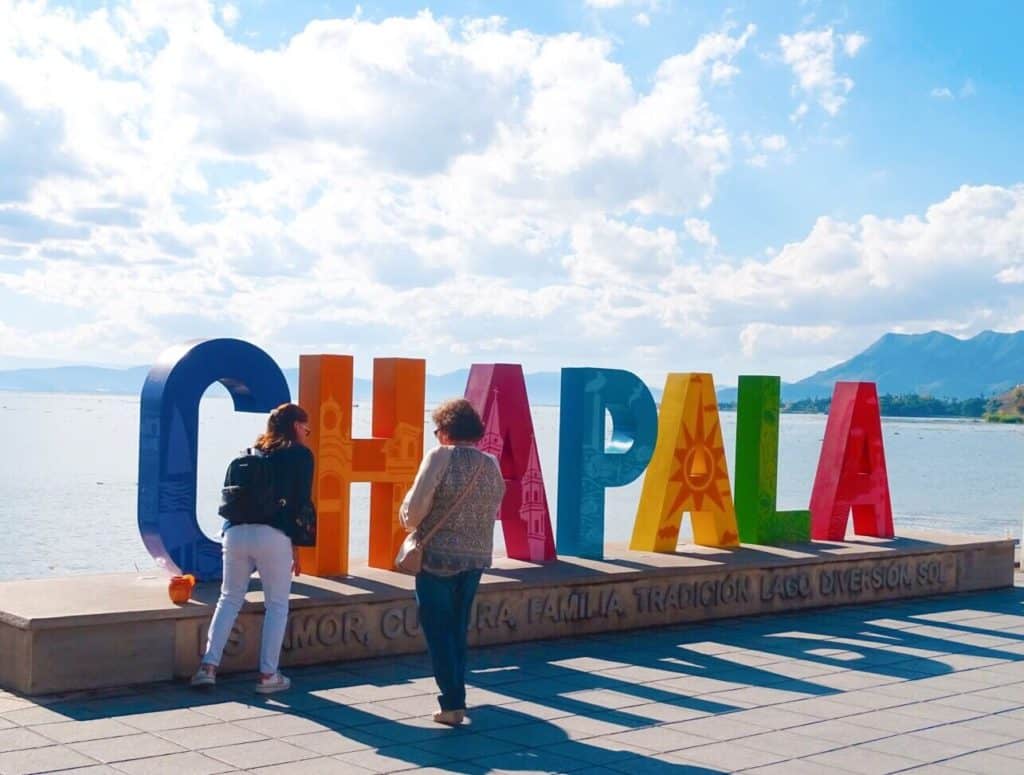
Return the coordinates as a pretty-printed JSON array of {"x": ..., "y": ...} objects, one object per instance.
[{"x": 96, "y": 631}]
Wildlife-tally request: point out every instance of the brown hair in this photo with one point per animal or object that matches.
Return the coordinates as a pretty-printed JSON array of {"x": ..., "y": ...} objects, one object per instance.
[
  {"x": 281, "y": 427},
  {"x": 459, "y": 420}
]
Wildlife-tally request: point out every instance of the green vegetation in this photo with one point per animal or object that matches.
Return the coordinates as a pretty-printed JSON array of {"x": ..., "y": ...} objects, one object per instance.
[
  {"x": 908, "y": 405},
  {"x": 1008, "y": 407}
]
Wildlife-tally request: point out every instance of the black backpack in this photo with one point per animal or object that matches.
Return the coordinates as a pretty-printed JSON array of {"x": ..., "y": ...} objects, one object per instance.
[{"x": 248, "y": 493}]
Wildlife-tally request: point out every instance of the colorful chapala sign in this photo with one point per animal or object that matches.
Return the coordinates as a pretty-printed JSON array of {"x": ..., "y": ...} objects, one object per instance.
[{"x": 679, "y": 449}]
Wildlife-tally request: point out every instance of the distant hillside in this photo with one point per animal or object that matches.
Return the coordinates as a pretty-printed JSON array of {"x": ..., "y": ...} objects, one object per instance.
[
  {"x": 543, "y": 387},
  {"x": 1007, "y": 407},
  {"x": 74, "y": 379},
  {"x": 932, "y": 364}
]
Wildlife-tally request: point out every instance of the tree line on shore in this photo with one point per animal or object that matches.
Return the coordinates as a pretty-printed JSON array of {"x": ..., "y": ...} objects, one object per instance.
[{"x": 1008, "y": 408}]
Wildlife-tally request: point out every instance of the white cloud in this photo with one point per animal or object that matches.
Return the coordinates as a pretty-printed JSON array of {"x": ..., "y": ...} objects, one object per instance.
[
  {"x": 176, "y": 180},
  {"x": 642, "y": 20},
  {"x": 853, "y": 43},
  {"x": 604, "y": 5},
  {"x": 944, "y": 92},
  {"x": 451, "y": 187},
  {"x": 230, "y": 14},
  {"x": 812, "y": 57},
  {"x": 700, "y": 231},
  {"x": 769, "y": 339}
]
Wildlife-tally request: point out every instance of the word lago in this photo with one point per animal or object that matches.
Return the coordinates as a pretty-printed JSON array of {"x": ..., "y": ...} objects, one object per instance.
[{"x": 680, "y": 449}]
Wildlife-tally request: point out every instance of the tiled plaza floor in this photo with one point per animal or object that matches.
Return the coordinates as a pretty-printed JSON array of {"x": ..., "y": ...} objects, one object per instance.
[{"x": 922, "y": 686}]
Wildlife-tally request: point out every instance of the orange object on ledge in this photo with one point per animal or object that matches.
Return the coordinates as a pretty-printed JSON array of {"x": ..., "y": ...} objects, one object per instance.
[{"x": 180, "y": 588}]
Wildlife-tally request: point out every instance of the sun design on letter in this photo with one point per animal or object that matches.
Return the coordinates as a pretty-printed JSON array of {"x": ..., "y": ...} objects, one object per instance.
[{"x": 701, "y": 468}]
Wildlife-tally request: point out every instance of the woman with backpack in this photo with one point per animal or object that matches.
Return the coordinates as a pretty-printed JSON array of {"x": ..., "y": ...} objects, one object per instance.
[
  {"x": 258, "y": 536},
  {"x": 452, "y": 506}
]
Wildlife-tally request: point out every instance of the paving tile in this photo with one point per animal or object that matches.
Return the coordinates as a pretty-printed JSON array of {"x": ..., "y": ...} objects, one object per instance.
[
  {"x": 533, "y": 760},
  {"x": 823, "y": 709},
  {"x": 940, "y": 713},
  {"x": 915, "y": 691},
  {"x": 596, "y": 751},
  {"x": 177, "y": 718},
  {"x": 213, "y": 735},
  {"x": 482, "y": 719},
  {"x": 726, "y": 727},
  {"x": 792, "y": 767},
  {"x": 966, "y": 737},
  {"x": 920, "y": 748},
  {"x": 322, "y": 766},
  {"x": 232, "y": 711},
  {"x": 862, "y": 760},
  {"x": 77, "y": 731},
  {"x": 461, "y": 745},
  {"x": 843, "y": 731},
  {"x": 33, "y": 760},
  {"x": 585, "y": 727},
  {"x": 606, "y": 698},
  {"x": 869, "y": 699},
  {"x": 663, "y": 712},
  {"x": 537, "y": 710},
  {"x": 411, "y": 706},
  {"x": 392, "y": 759},
  {"x": 537, "y": 734},
  {"x": 334, "y": 742},
  {"x": 979, "y": 703},
  {"x": 119, "y": 749},
  {"x": 659, "y": 739},
  {"x": 175, "y": 764},
  {"x": 18, "y": 739},
  {"x": 730, "y": 756},
  {"x": 92, "y": 769},
  {"x": 754, "y": 696},
  {"x": 39, "y": 714},
  {"x": 280, "y": 725},
  {"x": 984, "y": 762},
  {"x": 1011, "y": 692},
  {"x": 772, "y": 718},
  {"x": 659, "y": 764},
  {"x": 1013, "y": 749},
  {"x": 10, "y": 704},
  {"x": 998, "y": 724},
  {"x": 789, "y": 744},
  {"x": 263, "y": 753}
]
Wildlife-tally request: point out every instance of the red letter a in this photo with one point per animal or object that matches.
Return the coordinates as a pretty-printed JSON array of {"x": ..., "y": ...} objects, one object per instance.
[
  {"x": 851, "y": 469},
  {"x": 498, "y": 392}
]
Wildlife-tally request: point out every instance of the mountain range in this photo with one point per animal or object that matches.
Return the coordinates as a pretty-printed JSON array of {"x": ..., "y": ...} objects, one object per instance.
[
  {"x": 934, "y": 364},
  {"x": 543, "y": 387}
]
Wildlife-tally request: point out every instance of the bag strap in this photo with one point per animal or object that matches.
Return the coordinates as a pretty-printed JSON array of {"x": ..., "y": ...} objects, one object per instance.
[{"x": 462, "y": 495}]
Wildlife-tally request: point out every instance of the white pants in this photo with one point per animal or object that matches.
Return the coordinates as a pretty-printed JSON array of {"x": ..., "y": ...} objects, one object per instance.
[{"x": 269, "y": 551}]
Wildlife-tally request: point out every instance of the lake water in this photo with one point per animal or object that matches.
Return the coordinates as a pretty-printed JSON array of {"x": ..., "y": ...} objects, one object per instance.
[{"x": 68, "y": 477}]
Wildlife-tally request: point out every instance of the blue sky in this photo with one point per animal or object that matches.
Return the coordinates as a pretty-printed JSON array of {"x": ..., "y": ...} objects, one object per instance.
[{"x": 661, "y": 185}]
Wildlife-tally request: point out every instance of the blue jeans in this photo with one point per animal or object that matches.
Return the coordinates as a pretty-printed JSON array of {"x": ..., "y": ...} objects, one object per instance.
[{"x": 445, "y": 604}]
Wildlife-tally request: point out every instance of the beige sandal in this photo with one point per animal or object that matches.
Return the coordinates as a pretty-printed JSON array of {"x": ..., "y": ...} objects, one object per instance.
[{"x": 451, "y": 718}]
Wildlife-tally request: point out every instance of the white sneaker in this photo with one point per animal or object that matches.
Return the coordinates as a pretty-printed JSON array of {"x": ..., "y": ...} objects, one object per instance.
[
  {"x": 276, "y": 683},
  {"x": 204, "y": 678}
]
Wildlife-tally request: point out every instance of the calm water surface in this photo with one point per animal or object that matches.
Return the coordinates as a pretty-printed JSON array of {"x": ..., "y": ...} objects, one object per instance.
[{"x": 68, "y": 477}]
